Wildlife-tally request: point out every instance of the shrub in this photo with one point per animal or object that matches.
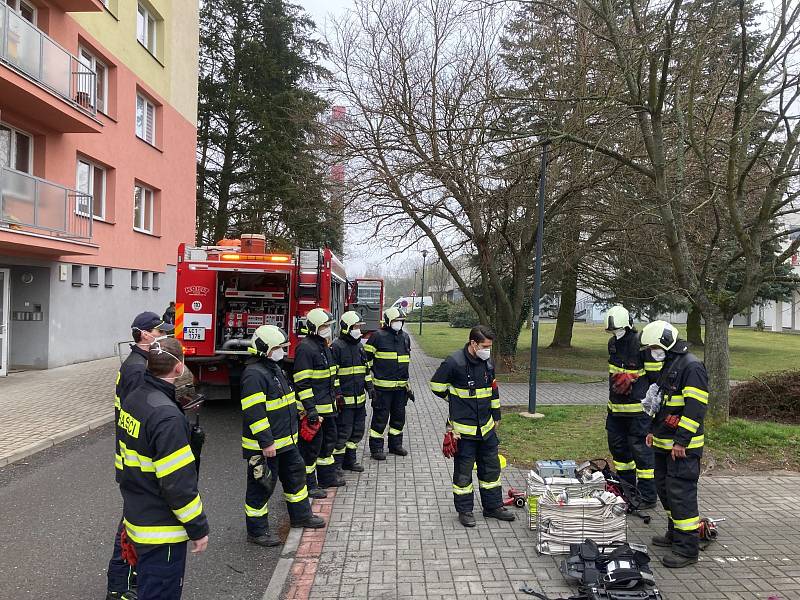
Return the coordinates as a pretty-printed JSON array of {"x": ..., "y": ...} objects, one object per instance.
[
  {"x": 769, "y": 397},
  {"x": 462, "y": 315},
  {"x": 430, "y": 314}
]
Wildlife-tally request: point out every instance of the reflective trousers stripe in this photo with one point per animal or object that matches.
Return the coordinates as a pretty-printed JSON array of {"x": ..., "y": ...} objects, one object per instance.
[
  {"x": 325, "y": 461},
  {"x": 311, "y": 469},
  {"x": 488, "y": 485},
  {"x": 298, "y": 497},
  {"x": 351, "y": 446},
  {"x": 375, "y": 434},
  {"x": 460, "y": 491},
  {"x": 393, "y": 431},
  {"x": 256, "y": 512},
  {"x": 687, "y": 524},
  {"x": 645, "y": 473},
  {"x": 338, "y": 451},
  {"x": 624, "y": 466}
]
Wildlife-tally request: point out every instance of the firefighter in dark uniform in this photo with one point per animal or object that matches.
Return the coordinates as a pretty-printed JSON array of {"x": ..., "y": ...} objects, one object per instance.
[
  {"x": 467, "y": 382},
  {"x": 389, "y": 353},
  {"x": 315, "y": 385},
  {"x": 355, "y": 383},
  {"x": 626, "y": 423},
  {"x": 677, "y": 439},
  {"x": 145, "y": 329},
  {"x": 158, "y": 481},
  {"x": 270, "y": 430}
]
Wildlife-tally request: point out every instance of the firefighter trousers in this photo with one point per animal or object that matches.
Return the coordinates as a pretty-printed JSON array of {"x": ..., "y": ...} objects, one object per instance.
[
  {"x": 484, "y": 453},
  {"x": 160, "y": 571},
  {"x": 388, "y": 406},
  {"x": 350, "y": 424},
  {"x": 121, "y": 577},
  {"x": 676, "y": 481},
  {"x": 310, "y": 450},
  {"x": 633, "y": 460},
  {"x": 318, "y": 455}
]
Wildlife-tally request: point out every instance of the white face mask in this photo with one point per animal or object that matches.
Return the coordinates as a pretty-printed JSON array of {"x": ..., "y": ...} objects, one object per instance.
[
  {"x": 619, "y": 333},
  {"x": 277, "y": 354},
  {"x": 397, "y": 325},
  {"x": 658, "y": 354},
  {"x": 355, "y": 334},
  {"x": 483, "y": 353},
  {"x": 324, "y": 332}
]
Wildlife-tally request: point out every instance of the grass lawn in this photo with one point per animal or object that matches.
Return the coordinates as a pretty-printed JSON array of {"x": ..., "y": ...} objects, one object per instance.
[
  {"x": 578, "y": 432},
  {"x": 752, "y": 352}
]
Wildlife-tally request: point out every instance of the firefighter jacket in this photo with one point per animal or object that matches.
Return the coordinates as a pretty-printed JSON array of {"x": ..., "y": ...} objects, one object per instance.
[
  {"x": 269, "y": 408},
  {"x": 129, "y": 377},
  {"x": 625, "y": 356},
  {"x": 683, "y": 382},
  {"x": 315, "y": 376},
  {"x": 469, "y": 385},
  {"x": 158, "y": 481},
  {"x": 352, "y": 369},
  {"x": 389, "y": 353}
]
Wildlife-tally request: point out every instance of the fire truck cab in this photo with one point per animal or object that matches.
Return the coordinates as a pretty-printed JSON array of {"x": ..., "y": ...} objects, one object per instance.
[{"x": 225, "y": 292}]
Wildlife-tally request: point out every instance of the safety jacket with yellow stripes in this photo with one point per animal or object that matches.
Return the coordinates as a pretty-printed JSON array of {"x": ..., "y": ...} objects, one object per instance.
[
  {"x": 683, "y": 382},
  {"x": 469, "y": 385},
  {"x": 315, "y": 376},
  {"x": 625, "y": 356},
  {"x": 352, "y": 369},
  {"x": 158, "y": 479},
  {"x": 269, "y": 408},
  {"x": 129, "y": 377},
  {"x": 389, "y": 353}
]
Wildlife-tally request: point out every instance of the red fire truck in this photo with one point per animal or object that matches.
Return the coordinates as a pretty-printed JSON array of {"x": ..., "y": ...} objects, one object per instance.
[{"x": 225, "y": 292}]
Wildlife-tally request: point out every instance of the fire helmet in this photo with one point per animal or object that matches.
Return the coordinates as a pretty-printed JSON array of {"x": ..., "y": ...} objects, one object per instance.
[
  {"x": 266, "y": 338},
  {"x": 350, "y": 319},
  {"x": 316, "y": 318},
  {"x": 618, "y": 317},
  {"x": 659, "y": 333},
  {"x": 393, "y": 314}
]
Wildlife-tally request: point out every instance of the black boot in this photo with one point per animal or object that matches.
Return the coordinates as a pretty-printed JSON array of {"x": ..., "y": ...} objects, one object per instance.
[
  {"x": 129, "y": 595},
  {"x": 267, "y": 539},
  {"x": 665, "y": 541},
  {"x": 647, "y": 505},
  {"x": 501, "y": 513},
  {"x": 399, "y": 451},
  {"x": 467, "y": 519},
  {"x": 337, "y": 482},
  {"x": 379, "y": 455},
  {"x": 677, "y": 561},
  {"x": 317, "y": 493},
  {"x": 312, "y": 522},
  {"x": 355, "y": 467}
]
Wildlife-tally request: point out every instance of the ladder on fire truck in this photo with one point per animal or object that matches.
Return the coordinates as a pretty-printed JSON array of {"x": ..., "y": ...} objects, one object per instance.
[{"x": 309, "y": 275}]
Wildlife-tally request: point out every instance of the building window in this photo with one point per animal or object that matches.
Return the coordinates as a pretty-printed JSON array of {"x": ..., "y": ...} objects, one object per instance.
[
  {"x": 91, "y": 181},
  {"x": 145, "y": 119},
  {"x": 109, "y": 277},
  {"x": 145, "y": 280},
  {"x": 95, "y": 87},
  {"x": 77, "y": 275},
  {"x": 16, "y": 149},
  {"x": 156, "y": 281},
  {"x": 93, "y": 277},
  {"x": 134, "y": 280},
  {"x": 25, "y": 10},
  {"x": 146, "y": 29},
  {"x": 143, "y": 202}
]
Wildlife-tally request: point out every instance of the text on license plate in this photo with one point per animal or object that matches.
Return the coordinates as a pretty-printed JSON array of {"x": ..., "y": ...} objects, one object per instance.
[{"x": 195, "y": 334}]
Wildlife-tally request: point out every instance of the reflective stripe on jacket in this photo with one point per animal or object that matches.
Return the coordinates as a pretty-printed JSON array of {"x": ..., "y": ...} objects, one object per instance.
[
  {"x": 389, "y": 352},
  {"x": 129, "y": 377},
  {"x": 352, "y": 370},
  {"x": 315, "y": 376},
  {"x": 625, "y": 356}
]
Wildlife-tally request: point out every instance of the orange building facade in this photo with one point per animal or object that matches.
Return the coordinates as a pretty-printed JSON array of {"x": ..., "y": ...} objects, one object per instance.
[{"x": 97, "y": 170}]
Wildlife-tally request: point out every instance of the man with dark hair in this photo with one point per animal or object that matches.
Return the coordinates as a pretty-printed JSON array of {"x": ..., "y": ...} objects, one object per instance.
[
  {"x": 169, "y": 314},
  {"x": 145, "y": 329},
  {"x": 466, "y": 380},
  {"x": 158, "y": 481}
]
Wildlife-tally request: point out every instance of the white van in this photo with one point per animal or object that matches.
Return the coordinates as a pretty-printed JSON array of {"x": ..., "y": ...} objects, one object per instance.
[{"x": 409, "y": 303}]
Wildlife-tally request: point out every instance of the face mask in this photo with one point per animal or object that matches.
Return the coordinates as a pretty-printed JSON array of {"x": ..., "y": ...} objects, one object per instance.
[
  {"x": 277, "y": 354},
  {"x": 658, "y": 354},
  {"x": 483, "y": 353},
  {"x": 355, "y": 334},
  {"x": 397, "y": 325},
  {"x": 619, "y": 333},
  {"x": 325, "y": 332}
]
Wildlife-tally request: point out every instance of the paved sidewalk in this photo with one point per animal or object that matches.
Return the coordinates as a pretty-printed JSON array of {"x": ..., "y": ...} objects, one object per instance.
[
  {"x": 393, "y": 533},
  {"x": 41, "y": 408}
]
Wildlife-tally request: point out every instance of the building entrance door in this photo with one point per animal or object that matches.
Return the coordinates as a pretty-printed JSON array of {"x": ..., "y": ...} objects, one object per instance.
[{"x": 5, "y": 305}]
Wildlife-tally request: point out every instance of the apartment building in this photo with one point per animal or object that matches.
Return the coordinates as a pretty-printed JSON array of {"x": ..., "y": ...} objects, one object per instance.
[{"x": 98, "y": 103}]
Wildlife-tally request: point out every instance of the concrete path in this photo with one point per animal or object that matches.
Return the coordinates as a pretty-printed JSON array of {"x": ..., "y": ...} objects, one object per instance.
[{"x": 393, "y": 531}]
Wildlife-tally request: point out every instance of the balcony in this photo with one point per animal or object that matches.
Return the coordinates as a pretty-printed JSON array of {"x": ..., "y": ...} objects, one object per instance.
[
  {"x": 79, "y": 5},
  {"x": 43, "y": 217},
  {"x": 43, "y": 80}
]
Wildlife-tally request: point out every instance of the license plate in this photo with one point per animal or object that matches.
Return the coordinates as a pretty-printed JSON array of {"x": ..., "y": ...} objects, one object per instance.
[{"x": 194, "y": 334}]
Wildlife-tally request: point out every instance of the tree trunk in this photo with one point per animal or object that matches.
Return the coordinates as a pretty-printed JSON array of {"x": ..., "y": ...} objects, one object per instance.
[
  {"x": 505, "y": 344},
  {"x": 693, "y": 327},
  {"x": 562, "y": 338},
  {"x": 717, "y": 363}
]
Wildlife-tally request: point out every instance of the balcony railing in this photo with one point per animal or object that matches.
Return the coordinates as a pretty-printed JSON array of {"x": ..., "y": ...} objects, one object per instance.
[
  {"x": 35, "y": 205},
  {"x": 32, "y": 52}
]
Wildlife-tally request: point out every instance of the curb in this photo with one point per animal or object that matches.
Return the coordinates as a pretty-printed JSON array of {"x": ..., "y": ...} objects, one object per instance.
[
  {"x": 53, "y": 440},
  {"x": 281, "y": 573}
]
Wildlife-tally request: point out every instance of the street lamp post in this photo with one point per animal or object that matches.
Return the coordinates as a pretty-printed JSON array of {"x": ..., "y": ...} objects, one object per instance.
[
  {"x": 537, "y": 288},
  {"x": 422, "y": 292}
]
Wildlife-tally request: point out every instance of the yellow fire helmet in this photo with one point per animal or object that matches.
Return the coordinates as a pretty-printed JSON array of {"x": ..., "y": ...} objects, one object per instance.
[
  {"x": 393, "y": 314},
  {"x": 266, "y": 338},
  {"x": 659, "y": 333},
  {"x": 618, "y": 317},
  {"x": 350, "y": 319},
  {"x": 316, "y": 318}
]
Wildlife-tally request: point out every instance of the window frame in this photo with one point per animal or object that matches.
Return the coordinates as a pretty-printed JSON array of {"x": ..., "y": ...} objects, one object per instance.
[
  {"x": 94, "y": 62},
  {"x": 16, "y": 6},
  {"x": 93, "y": 167},
  {"x": 152, "y": 194},
  {"x": 149, "y": 29},
  {"x": 12, "y": 156},
  {"x": 146, "y": 102}
]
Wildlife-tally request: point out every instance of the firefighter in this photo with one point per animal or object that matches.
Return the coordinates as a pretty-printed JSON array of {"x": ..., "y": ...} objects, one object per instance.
[
  {"x": 626, "y": 423},
  {"x": 158, "y": 481},
  {"x": 677, "y": 439},
  {"x": 355, "y": 383},
  {"x": 389, "y": 354},
  {"x": 466, "y": 381},
  {"x": 315, "y": 384},
  {"x": 145, "y": 329},
  {"x": 270, "y": 429}
]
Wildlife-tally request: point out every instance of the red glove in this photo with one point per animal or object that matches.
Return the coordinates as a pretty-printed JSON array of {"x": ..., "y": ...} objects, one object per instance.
[
  {"x": 450, "y": 445},
  {"x": 128, "y": 549},
  {"x": 621, "y": 383},
  {"x": 672, "y": 421},
  {"x": 340, "y": 402},
  {"x": 309, "y": 430}
]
